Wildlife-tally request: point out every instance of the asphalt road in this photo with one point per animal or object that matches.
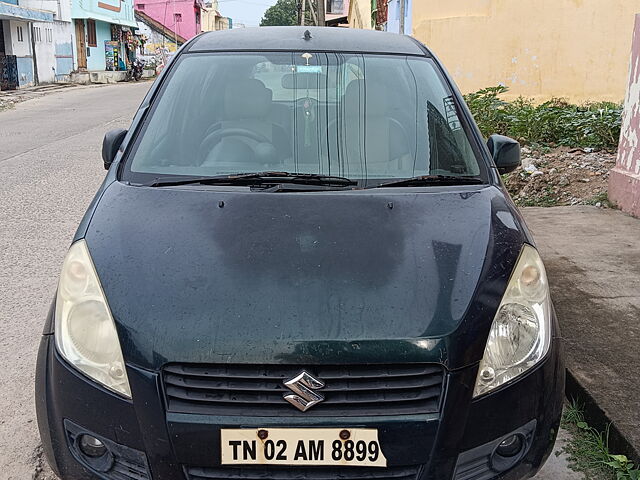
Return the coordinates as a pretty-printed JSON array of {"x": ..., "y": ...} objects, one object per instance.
[{"x": 50, "y": 168}]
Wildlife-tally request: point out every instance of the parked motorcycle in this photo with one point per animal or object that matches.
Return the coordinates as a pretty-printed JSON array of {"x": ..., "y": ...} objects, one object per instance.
[{"x": 135, "y": 70}]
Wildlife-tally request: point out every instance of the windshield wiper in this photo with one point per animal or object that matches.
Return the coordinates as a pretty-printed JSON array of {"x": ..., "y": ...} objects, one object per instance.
[
  {"x": 257, "y": 178},
  {"x": 425, "y": 180}
]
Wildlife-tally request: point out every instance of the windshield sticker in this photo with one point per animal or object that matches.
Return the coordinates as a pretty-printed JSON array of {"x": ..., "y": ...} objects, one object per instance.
[
  {"x": 309, "y": 69},
  {"x": 307, "y": 57},
  {"x": 451, "y": 113}
]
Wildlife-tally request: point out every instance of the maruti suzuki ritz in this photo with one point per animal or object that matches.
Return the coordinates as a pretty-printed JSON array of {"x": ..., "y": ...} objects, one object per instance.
[{"x": 302, "y": 264}]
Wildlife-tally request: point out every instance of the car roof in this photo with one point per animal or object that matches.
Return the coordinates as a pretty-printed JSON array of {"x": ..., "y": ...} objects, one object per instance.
[{"x": 326, "y": 39}]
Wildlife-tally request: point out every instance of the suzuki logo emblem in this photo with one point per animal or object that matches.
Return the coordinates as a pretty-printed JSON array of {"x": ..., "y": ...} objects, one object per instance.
[{"x": 303, "y": 386}]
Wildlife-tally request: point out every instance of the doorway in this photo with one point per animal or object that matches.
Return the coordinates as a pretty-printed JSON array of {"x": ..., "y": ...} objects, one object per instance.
[
  {"x": 81, "y": 45},
  {"x": 8, "y": 63},
  {"x": 2, "y": 49}
]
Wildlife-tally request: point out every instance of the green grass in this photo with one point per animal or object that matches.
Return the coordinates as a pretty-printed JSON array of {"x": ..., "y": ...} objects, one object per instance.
[
  {"x": 549, "y": 199},
  {"x": 588, "y": 449}
]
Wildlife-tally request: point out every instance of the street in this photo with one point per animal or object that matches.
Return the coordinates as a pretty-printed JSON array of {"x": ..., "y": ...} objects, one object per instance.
[{"x": 50, "y": 167}]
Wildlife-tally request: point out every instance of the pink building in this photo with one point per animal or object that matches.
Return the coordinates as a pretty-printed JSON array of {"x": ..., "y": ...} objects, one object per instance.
[
  {"x": 624, "y": 179},
  {"x": 179, "y": 16}
]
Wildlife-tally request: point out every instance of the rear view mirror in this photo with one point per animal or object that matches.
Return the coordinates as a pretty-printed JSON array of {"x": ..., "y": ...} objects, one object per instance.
[
  {"x": 110, "y": 145},
  {"x": 505, "y": 151}
]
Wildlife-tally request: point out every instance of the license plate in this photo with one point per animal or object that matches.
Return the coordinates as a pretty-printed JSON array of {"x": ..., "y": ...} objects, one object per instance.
[{"x": 354, "y": 447}]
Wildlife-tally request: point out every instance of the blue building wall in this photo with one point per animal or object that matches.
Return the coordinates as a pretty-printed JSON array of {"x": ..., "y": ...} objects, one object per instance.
[
  {"x": 96, "y": 58},
  {"x": 25, "y": 71}
]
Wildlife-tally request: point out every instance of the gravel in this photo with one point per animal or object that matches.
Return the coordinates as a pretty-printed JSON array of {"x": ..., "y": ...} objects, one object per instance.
[{"x": 561, "y": 177}]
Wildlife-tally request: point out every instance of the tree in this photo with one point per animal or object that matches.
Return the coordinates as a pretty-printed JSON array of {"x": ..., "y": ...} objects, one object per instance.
[{"x": 284, "y": 12}]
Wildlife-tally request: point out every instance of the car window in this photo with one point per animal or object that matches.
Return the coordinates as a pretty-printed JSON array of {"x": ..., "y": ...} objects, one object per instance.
[{"x": 366, "y": 117}]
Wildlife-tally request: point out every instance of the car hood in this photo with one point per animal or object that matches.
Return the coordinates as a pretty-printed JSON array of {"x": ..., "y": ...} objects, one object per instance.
[{"x": 215, "y": 275}]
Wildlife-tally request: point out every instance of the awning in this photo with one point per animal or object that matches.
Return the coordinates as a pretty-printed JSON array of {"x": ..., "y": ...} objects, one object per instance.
[
  {"x": 334, "y": 22},
  {"x": 14, "y": 12}
]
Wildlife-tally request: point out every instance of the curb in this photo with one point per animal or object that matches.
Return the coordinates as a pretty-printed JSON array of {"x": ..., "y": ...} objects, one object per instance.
[{"x": 596, "y": 417}]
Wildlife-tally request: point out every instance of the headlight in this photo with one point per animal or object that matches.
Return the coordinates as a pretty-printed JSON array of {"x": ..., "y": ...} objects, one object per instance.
[
  {"x": 84, "y": 330},
  {"x": 521, "y": 330}
]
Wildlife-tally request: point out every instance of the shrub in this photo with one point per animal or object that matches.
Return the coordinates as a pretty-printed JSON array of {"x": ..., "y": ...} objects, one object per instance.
[{"x": 552, "y": 123}]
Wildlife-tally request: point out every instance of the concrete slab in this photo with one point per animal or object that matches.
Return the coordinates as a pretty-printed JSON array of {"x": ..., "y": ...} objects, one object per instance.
[
  {"x": 592, "y": 256},
  {"x": 557, "y": 466},
  {"x": 108, "y": 77}
]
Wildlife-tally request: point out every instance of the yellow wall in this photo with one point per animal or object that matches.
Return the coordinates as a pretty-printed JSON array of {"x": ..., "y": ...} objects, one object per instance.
[
  {"x": 360, "y": 14},
  {"x": 577, "y": 49}
]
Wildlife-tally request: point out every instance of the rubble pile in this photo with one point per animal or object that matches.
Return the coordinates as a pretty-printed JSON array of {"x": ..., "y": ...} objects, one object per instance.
[{"x": 561, "y": 176}]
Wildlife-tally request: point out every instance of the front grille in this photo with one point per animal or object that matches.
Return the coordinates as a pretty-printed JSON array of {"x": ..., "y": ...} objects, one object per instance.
[
  {"x": 350, "y": 390},
  {"x": 298, "y": 473}
]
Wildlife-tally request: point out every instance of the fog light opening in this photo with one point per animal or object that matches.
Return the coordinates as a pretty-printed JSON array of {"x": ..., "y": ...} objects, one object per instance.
[
  {"x": 91, "y": 446},
  {"x": 508, "y": 452},
  {"x": 510, "y": 446}
]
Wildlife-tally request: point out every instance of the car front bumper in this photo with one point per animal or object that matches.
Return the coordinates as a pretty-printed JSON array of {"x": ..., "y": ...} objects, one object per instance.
[{"x": 151, "y": 443}]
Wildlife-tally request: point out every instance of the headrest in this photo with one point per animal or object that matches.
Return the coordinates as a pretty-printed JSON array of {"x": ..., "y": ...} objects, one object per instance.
[
  {"x": 247, "y": 98},
  {"x": 374, "y": 93}
]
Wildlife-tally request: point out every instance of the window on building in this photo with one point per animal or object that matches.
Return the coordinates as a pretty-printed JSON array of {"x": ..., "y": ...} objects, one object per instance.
[
  {"x": 20, "y": 34},
  {"x": 91, "y": 33},
  {"x": 36, "y": 34},
  {"x": 177, "y": 17},
  {"x": 198, "y": 17},
  {"x": 335, "y": 6},
  {"x": 49, "y": 33},
  {"x": 140, "y": 6}
]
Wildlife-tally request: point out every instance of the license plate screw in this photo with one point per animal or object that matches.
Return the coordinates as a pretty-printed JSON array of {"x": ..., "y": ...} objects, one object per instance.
[
  {"x": 263, "y": 434},
  {"x": 345, "y": 434}
]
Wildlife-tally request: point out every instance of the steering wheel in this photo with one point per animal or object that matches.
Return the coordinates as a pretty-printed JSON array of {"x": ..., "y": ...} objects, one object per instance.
[{"x": 215, "y": 137}]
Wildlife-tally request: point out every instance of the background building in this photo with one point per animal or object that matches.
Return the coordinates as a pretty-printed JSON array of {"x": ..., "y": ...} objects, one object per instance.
[
  {"x": 575, "y": 49},
  {"x": 212, "y": 19},
  {"x": 361, "y": 13},
  {"x": 104, "y": 34},
  {"x": 159, "y": 42},
  {"x": 36, "y": 38},
  {"x": 182, "y": 17},
  {"x": 336, "y": 12}
]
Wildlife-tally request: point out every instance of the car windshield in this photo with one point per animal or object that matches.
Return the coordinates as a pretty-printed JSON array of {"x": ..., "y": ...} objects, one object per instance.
[{"x": 369, "y": 118}]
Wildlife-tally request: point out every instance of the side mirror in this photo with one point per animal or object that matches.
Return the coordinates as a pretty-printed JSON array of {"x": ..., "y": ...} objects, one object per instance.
[
  {"x": 111, "y": 144},
  {"x": 505, "y": 151}
]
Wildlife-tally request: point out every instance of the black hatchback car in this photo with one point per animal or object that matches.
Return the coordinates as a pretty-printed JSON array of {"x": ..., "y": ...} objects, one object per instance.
[{"x": 302, "y": 264}]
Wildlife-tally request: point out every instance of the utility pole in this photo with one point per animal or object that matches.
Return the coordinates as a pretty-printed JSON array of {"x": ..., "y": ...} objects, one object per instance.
[
  {"x": 317, "y": 10},
  {"x": 403, "y": 7},
  {"x": 175, "y": 25},
  {"x": 321, "y": 13}
]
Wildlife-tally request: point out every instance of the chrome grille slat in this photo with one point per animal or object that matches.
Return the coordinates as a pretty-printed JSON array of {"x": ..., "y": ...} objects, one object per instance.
[
  {"x": 350, "y": 390},
  {"x": 276, "y": 385}
]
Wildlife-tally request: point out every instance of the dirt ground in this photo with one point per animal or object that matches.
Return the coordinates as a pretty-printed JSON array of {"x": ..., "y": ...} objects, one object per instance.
[
  {"x": 561, "y": 176},
  {"x": 10, "y": 98}
]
